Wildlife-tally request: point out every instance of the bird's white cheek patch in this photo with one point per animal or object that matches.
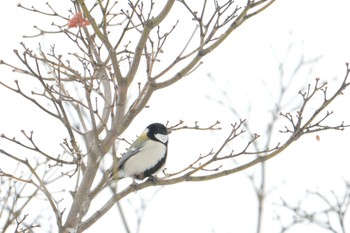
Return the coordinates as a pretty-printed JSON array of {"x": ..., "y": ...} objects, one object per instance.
[{"x": 161, "y": 137}]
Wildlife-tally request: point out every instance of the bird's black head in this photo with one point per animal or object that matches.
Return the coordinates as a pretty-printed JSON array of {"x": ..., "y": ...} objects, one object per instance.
[{"x": 158, "y": 132}]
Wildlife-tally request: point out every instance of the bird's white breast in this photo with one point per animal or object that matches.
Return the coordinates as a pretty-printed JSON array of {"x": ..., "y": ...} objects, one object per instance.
[{"x": 147, "y": 158}]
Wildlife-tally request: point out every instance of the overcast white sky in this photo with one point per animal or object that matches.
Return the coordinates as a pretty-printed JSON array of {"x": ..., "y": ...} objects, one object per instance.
[{"x": 316, "y": 27}]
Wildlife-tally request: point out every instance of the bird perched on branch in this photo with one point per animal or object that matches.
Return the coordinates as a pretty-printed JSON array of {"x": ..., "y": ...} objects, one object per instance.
[{"x": 147, "y": 155}]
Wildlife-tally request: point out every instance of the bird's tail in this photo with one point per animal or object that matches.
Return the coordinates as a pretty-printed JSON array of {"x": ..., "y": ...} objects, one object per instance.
[{"x": 110, "y": 177}]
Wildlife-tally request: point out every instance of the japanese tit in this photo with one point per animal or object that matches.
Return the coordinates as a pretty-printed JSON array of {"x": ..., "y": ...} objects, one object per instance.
[{"x": 147, "y": 155}]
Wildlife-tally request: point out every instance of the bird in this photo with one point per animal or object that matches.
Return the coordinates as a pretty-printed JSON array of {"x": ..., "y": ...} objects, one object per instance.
[{"x": 147, "y": 155}]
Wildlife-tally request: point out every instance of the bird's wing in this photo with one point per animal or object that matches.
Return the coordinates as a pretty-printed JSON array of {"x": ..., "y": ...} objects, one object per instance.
[{"x": 134, "y": 149}]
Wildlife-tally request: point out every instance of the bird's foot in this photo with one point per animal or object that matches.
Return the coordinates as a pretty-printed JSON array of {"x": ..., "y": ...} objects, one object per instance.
[
  {"x": 152, "y": 179},
  {"x": 134, "y": 185}
]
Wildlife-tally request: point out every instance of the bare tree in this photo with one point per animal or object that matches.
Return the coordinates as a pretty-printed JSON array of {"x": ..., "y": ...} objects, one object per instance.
[
  {"x": 88, "y": 90},
  {"x": 282, "y": 98},
  {"x": 329, "y": 214}
]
